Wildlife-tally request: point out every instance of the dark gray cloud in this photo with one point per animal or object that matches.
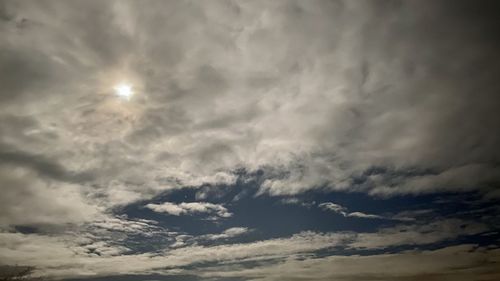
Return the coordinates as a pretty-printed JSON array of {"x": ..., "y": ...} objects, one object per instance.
[{"x": 44, "y": 167}]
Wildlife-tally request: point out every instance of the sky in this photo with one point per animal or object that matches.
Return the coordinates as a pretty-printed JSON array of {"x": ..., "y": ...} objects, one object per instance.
[{"x": 250, "y": 140}]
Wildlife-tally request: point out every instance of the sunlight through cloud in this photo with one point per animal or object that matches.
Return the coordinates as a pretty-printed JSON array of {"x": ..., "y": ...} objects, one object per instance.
[{"x": 124, "y": 91}]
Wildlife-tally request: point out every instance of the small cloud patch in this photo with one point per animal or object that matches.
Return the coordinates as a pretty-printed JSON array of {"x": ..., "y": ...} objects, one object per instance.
[{"x": 190, "y": 208}]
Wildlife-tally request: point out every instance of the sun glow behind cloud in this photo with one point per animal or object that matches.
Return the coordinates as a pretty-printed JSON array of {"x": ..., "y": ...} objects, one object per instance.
[{"x": 124, "y": 91}]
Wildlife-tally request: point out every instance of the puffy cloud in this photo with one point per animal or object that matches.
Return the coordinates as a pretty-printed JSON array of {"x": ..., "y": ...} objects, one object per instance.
[{"x": 190, "y": 208}]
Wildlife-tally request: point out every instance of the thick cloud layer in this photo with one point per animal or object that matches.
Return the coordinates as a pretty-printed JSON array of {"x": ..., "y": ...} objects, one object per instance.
[
  {"x": 313, "y": 93},
  {"x": 388, "y": 99}
]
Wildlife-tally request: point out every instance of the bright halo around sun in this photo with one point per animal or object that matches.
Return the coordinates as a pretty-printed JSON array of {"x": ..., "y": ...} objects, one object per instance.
[{"x": 124, "y": 91}]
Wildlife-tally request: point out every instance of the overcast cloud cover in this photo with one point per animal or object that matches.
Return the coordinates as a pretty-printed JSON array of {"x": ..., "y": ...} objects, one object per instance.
[{"x": 265, "y": 140}]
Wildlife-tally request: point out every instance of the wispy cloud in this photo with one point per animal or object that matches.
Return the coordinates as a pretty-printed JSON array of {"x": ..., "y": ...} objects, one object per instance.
[
  {"x": 476, "y": 263},
  {"x": 44, "y": 251},
  {"x": 344, "y": 212},
  {"x": 228, "y": 233}
]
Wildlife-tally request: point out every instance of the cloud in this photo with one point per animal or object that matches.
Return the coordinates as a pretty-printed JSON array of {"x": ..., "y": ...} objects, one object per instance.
[
  {"x": 103, "y": 257},
  {"x": 333, "y": 207},
  {"x": 417, "y": 234},
  {"x": 122, "y": 224},
  {"x": 184, "y": 240},
  {"x": 463, "y": 178},
  {"x": 190, "y": 208},
  {"x": 308, "y": 111},
  {"x": 296, "y": 201},
  {"x": 228, "y": 233},
  {"x": 44, "y": 167},
  {"x": 344, "y": 212},
  {"x": 363, "y": 215},
  {"x": 286, "y": 98},
  {"x": 29, "y": 249},
  {"x": 28, "y": 199},
  {"x": 440, "y": 264}
]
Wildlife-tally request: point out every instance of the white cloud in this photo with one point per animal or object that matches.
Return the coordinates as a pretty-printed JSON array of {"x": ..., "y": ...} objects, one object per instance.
[
  {"x": 363, "y": 215},
  {"x": 329, "y": 206},
  {"x": 333, "y": 207},
  {"x": 461, "y": 263},
  {"x": 228, "y": 233},
  {"x": 297, "y": 201},
  {"x": 190, "y": 208},
  {"x": 462, "y": 178},
  {"x": 180, "y": 241},
  {"x": 123, "y": 224},
  {"x": 45, "y": 251},
  {"x": 344, "y": 212},
  {"x": 69, "y": 252}
]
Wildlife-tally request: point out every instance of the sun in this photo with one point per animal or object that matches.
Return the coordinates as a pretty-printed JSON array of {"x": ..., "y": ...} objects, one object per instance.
[{"x": 124, "y": 90}]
